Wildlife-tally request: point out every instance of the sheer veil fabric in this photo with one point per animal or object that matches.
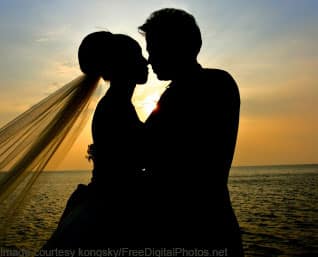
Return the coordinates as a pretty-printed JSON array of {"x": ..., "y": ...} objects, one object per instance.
[{"x": 38, "y": 137}]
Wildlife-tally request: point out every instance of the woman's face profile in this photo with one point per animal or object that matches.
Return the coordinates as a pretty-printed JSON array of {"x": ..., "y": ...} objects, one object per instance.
[
  {"x": 140, "y": 68},
  {"x": 130, "y": 64}
]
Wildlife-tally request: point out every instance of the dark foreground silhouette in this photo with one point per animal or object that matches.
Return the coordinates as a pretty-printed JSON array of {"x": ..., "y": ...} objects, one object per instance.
[
  {"x": 176, "y": 195},
  {"x": 190, "y": 140},
  {"x": 101, "y": 214}
]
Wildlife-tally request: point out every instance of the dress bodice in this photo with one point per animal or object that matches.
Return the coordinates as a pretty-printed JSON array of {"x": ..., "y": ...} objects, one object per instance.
[{"x": 115, "y": 130}]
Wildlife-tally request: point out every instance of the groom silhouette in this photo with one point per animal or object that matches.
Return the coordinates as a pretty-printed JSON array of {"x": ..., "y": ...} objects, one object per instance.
[{"x": 190, "y": 139}]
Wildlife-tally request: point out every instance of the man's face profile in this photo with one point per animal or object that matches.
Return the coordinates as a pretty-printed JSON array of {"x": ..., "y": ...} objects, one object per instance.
[{"x": 163, "y": 57}]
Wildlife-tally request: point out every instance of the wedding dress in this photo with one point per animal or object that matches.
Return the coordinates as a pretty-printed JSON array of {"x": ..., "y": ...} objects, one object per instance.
[{"x": 38, "y": 137}]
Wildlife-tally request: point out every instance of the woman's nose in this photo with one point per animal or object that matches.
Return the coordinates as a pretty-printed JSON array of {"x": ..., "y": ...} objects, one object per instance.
[
  {"x": 149, "y": 59},
  {"x": 146, "y": 61}
]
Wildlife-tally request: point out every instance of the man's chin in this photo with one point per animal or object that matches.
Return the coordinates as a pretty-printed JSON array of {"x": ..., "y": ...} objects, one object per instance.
[
  {"x": 162, "y": 76},
  {"x": 142, "y": 81}
]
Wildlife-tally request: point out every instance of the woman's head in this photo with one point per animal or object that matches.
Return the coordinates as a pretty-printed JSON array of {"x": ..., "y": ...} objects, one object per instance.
[{"x": 112, "y": 56}]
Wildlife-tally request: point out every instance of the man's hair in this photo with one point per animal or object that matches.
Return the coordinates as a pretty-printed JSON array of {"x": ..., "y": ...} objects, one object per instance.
[{"x": 177, "y": 26}]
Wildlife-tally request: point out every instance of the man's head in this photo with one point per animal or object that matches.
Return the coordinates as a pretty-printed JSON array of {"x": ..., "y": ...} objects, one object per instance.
[{"x": 173, "y": 41}]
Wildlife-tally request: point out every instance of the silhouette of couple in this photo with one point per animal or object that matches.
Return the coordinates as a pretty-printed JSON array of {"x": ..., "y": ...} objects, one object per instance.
[{"x": 162, "y": 183}]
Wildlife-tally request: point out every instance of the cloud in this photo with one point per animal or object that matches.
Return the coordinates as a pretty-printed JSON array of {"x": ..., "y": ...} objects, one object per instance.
[
  {"x": 66, "y": 68},
  {"x": 297, "y": 98},
  {"x": 42, "y": 40},
  {"x": 53, "y": 34},
  {"x": 102, "y": 28}
]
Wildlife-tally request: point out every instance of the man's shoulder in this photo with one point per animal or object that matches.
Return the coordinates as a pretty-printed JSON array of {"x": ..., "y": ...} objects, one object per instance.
[
  {"x": 217, "y": 74},
  {"x": 218, "y": 77},
  {"x": 219, "y": 82}
]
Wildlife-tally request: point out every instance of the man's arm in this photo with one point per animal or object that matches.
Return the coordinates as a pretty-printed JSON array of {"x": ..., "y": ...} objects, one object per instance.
[{"x": 217, "y": 124}]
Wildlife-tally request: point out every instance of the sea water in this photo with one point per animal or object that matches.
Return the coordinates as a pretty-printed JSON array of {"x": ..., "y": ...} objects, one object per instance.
[{"x": 276, "y": 206}]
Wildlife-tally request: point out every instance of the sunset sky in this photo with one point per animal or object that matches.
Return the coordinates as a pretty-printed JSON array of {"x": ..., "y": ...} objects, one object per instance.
[{"x": 269, "y": 46}]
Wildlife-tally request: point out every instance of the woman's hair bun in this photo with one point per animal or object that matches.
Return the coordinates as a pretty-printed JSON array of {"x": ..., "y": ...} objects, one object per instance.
[{"x": 93, "y": 51}]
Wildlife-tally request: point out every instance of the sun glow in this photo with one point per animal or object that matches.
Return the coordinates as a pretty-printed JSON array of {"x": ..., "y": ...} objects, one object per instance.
[{"x": 150, "y": 103}]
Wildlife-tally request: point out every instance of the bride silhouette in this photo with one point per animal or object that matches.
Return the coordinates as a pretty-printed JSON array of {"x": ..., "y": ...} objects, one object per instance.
[{"x": 95, "y": 214}]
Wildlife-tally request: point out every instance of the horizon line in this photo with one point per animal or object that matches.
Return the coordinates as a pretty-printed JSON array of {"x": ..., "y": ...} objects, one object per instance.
[{"x": 234, "y": 166}]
